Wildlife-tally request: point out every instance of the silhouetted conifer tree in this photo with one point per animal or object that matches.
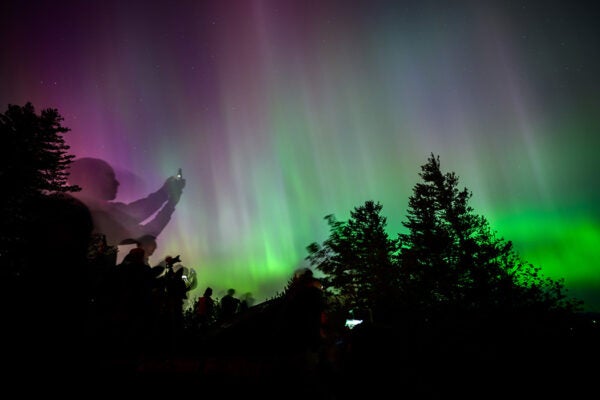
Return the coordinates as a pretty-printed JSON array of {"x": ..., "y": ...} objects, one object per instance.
[
  {"x": 33, "y": 162},
  {"x": 357, "y": 260},
  {"x": 450, "y": 263},
  {"x": 452, "y": 260}
]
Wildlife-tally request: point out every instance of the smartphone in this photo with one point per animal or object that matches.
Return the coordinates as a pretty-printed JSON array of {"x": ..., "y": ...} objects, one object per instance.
[{"x": 179, "y": 174}]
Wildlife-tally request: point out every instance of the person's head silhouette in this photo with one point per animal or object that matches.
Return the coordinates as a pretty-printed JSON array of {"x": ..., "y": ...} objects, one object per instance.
[
  {"x": 145, "y": 242},
  {"x": 148, "y": 243},
  {"x": 95, "y": 177}
]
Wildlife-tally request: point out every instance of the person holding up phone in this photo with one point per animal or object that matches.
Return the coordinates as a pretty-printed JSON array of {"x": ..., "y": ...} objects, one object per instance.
[{"x": 121, "y": 221}]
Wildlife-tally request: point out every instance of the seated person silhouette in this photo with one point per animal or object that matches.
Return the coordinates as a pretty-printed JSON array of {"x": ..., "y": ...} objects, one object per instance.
[{"x": 116, "y": 220}]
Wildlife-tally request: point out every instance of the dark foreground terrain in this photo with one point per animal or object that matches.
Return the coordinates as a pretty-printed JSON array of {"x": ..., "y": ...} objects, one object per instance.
[{"x": 252, "y": 357}]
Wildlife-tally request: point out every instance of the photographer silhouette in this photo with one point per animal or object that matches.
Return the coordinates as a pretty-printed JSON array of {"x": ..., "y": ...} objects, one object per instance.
[{"x": 117, "y": 220}]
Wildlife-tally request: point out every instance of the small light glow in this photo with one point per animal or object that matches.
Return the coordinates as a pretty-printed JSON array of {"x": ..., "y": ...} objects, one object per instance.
[{"x": 351, "y": 323}]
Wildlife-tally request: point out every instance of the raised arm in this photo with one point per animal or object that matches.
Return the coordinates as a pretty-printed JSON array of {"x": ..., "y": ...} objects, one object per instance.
[{"x": 173, "y": 187}]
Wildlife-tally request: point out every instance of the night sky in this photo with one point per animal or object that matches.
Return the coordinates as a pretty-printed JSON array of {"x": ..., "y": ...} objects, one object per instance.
[{"x": 281, "y": 112}]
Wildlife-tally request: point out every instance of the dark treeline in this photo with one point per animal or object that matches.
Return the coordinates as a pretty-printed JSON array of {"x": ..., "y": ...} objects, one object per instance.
[
  {"x": 450, "y": 306},
  {"x": 447, "y": 308}
]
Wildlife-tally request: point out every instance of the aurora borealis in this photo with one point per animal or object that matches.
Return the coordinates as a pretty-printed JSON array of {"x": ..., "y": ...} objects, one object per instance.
[{"x": 281, "y": 112}]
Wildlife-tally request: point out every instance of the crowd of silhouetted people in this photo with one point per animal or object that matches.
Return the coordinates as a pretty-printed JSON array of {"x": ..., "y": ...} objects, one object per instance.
[{"x": 72, "y": 308}]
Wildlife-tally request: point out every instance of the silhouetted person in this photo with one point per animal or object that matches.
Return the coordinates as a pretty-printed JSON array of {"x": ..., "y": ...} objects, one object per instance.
[
  {"x": 246, "y": 301},
  {"x": 117, "y": 220},
  {"x": 205, "y": 309},
  {"x": 45, "y": 307},
  {"x": 170, "y": 293},
  {"x": 304, "y": 305},
  {"x": 229, "y": 305},
  {"x": 133, "y": 313},
  {"x": 146, "y": 242}
]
